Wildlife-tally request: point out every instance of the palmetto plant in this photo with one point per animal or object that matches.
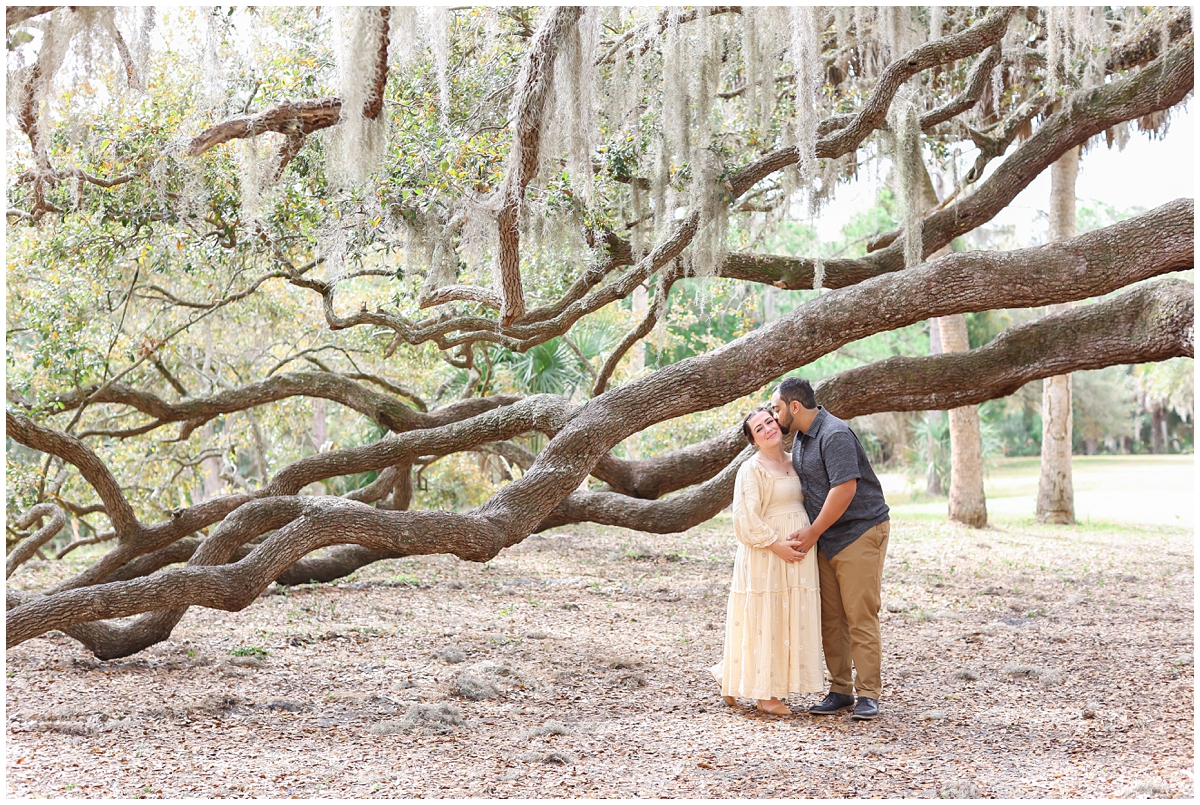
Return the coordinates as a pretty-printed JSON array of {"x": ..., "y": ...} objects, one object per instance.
[
  {"x": 548, "y": 368},
  {"x": 554, "y": 367},
  {"x": 931, "y": 448}
]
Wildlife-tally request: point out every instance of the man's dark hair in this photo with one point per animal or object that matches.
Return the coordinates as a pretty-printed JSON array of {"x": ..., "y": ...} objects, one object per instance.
[{"x": 797, "y": 389}]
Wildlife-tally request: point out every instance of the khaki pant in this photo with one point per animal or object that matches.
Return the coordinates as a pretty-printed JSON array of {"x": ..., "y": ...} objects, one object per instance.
[{"x": 850, "y": 599}]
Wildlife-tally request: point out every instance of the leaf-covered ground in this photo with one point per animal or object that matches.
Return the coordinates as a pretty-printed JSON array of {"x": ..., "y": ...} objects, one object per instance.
[{"x": 1020, "y": 661}]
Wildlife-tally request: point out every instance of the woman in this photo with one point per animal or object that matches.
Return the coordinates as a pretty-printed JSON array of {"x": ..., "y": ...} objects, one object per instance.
[{"x": 773, "y": 623}]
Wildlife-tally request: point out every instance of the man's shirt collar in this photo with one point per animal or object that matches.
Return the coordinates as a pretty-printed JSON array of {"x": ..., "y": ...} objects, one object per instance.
[{"x": 816, "y": 424}]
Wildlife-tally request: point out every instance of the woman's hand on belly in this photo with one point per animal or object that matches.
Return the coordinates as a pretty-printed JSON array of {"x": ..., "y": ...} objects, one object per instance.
[{"x": 786, "y": 550}]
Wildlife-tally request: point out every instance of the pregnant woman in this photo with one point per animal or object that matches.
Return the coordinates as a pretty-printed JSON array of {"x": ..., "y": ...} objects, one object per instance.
[{"x": 773, "y": 623}]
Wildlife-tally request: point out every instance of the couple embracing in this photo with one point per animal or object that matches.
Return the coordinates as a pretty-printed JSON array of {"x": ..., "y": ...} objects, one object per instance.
[{"x": 812, "y": 530}]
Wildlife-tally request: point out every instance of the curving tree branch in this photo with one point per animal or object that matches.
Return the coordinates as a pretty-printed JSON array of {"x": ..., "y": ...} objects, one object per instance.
[
  {"x": 841, "y": 135},
  {"x": 1150, "y": 323},
  {"x": 649, "y": 31},
  {"x": 73, "y": 451},
  {"x": 14, "y": 15},
  {"x": 298, "y": 119},
  {"x": 977, "y": 79},
  {"x": 1158, "y": 86},
  {"x": 383, "y": 409},
  {"x": 26, "y": 548},
  {"x": 529, "y": 107},
  {"x": 639, "y": 331},
  {"x": 1145, "y": 42}
]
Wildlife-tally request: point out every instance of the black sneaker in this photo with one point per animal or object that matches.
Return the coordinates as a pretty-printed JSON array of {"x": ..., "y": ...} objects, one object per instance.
[
  {"x": 833, "y": 703},
  {"x": 865, "y": 710}
]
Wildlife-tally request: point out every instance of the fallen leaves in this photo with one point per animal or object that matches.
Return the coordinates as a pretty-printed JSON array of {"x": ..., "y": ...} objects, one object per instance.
[{"x": 602, "y": 697}]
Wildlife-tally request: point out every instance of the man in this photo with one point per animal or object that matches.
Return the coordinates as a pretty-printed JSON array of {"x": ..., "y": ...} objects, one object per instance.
[{"x": 850, "y": 525}]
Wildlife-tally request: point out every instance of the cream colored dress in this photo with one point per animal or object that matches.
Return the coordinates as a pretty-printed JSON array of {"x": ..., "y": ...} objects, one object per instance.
[{"x": 773, "y": 622}]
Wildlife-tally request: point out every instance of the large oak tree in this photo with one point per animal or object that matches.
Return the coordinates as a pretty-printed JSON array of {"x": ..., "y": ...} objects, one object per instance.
[{"x": 199, "y": 206}]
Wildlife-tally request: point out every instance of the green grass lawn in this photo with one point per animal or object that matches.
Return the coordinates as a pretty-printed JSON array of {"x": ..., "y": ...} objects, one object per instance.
[{"x": 1126, "y": 490}]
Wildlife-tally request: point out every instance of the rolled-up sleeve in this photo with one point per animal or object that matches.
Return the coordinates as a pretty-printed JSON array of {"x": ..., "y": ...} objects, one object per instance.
[{"x": 748, "y": 525}]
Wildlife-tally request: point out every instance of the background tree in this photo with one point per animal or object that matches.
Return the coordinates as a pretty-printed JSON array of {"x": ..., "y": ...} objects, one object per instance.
[
  {"x": 220, "y": 216},
  {"x": 967, "y": 502},
  {"x": 1056, "y": 495}
]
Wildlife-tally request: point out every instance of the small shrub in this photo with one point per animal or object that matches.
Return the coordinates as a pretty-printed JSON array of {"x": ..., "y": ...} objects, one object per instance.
[
  {"x": 487, "y": 679},
  {"x": 962, "y": 790},
  {"x": 439, "y": 719},
  {"x": 1144, "y": 789},
  {"x": 619, "y": 663},
  {"x": 1031, "y": 671},
  {"x": 389, "y": 727},
  {"x": 1050, "y": 677},
  {"x": 629, "y": 679},
  {"x": 215, "y": 703},
  {"x": 243, "y": 662},
  {"x": 549, "y": 728},
  {"x": 474, "y": 688},
  {"x": 70, "y": 728},
  {"x": 1046, "y": 676},
  {"x": 558, "y": 758},
  {"x": 249, "y": 651}
]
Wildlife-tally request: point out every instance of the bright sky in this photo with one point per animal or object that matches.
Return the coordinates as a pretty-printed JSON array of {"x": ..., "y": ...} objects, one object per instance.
[{"x": 1146, "y": 174}]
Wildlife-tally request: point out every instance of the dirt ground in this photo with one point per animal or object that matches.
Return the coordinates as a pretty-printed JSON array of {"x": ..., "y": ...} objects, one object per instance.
[{"x": 1019, "y": 661}]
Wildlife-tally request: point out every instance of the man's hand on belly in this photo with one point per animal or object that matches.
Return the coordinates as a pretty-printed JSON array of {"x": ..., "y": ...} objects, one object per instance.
[{"x": 836, "y": 503}]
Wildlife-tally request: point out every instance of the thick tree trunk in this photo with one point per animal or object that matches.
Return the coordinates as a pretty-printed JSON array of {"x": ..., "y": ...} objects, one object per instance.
[
  {"x": 320, "y": 425},
  {"x": 319, "y": 436},
  {"x": 933, "y": 477},
  {"x": 1158, "y": 422},
  {"x": 967, "y": 502},
  {"x": 1056, "y": 495},
  {"x": 933, "y": 480},
  {"x": 210, "y": 468},
  {"x": 640, "y": 299}
]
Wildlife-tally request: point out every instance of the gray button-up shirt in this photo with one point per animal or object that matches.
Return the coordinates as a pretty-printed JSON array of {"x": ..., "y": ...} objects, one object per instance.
[{"x": 827, "y": 455}]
